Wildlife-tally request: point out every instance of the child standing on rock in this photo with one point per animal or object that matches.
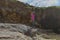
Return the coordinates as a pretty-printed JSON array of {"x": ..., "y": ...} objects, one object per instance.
[{"x": 33, "y": 19}]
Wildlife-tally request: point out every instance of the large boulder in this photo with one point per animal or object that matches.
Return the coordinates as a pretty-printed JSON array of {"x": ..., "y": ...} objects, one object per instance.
[{"x": 51, "y": 19}]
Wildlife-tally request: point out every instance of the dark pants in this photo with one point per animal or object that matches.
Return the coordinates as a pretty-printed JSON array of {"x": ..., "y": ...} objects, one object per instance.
[{"x": 33, "y": 24}]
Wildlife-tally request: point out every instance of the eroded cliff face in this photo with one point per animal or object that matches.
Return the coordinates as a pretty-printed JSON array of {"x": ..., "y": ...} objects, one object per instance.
[{"x": 14, "y": 12}]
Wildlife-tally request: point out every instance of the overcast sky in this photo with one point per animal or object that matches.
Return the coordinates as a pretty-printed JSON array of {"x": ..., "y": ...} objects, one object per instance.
[{"x": 42, "y": 3}]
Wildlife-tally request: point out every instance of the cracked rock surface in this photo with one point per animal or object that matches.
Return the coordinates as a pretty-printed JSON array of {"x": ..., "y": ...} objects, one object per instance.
[{"x": 16, "y": 32}]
